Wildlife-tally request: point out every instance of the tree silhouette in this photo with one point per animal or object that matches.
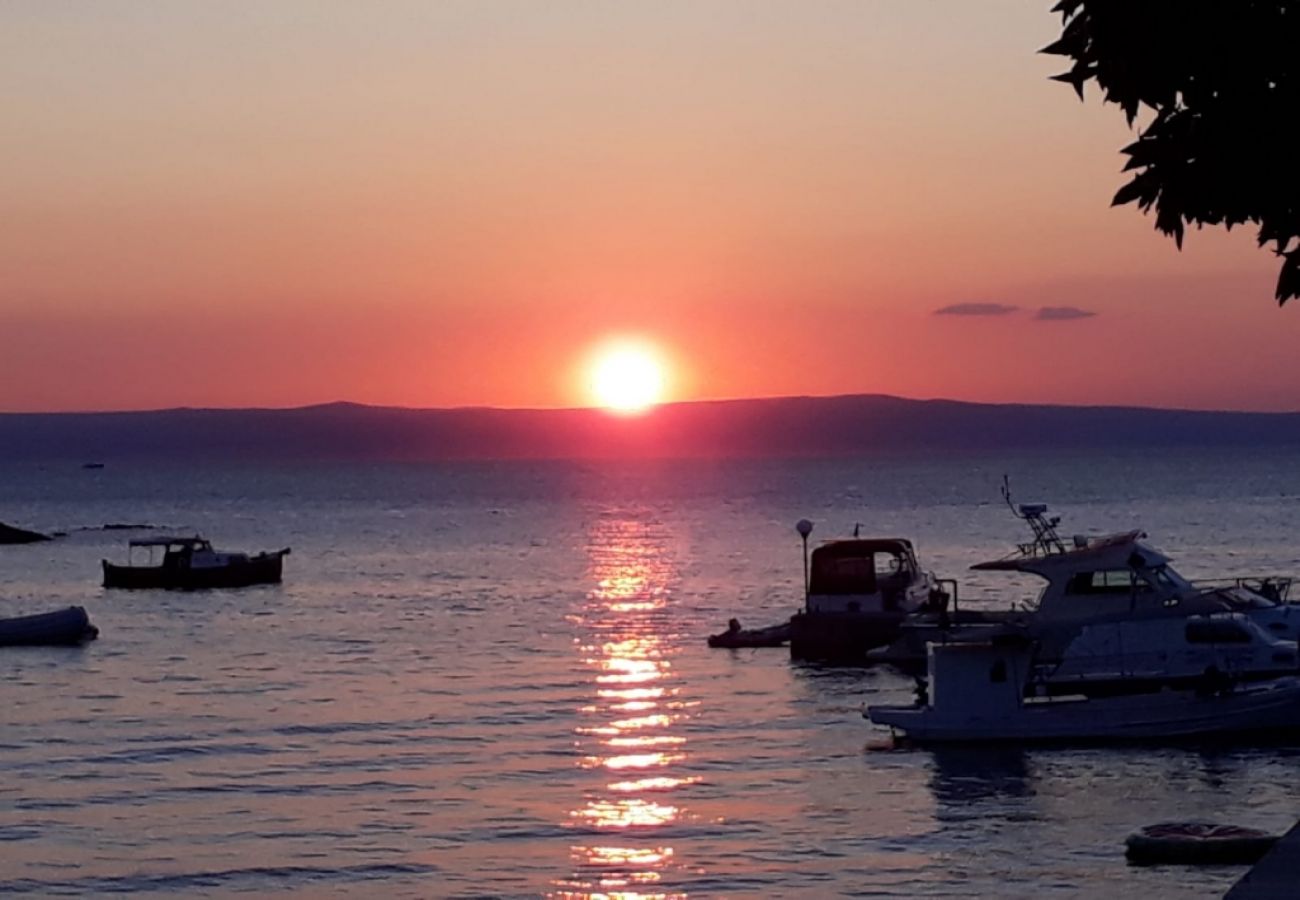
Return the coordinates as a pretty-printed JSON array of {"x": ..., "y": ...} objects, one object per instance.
[{"x": 1222, "y": 79}]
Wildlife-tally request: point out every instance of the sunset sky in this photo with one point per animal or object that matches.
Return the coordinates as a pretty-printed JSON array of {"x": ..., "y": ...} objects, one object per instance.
[{"x": 453, "y": 203}]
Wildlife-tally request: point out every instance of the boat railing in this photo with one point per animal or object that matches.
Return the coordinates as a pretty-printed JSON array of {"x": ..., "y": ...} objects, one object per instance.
[
  {"x": 1089, "y": 667},
  {"x": 1271, "y": 587}
]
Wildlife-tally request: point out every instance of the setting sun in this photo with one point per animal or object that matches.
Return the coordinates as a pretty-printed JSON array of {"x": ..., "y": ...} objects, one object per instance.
[{"x": 627, "y": 377}]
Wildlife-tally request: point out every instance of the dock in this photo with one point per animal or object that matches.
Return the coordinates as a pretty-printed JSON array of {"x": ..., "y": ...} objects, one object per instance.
[{"x": 1275, "y": 876}]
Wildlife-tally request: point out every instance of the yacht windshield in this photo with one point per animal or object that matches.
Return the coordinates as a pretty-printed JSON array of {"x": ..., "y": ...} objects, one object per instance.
[
  {"x": 1107, "y": 581},
  {"x": 1168, "y": 580}
]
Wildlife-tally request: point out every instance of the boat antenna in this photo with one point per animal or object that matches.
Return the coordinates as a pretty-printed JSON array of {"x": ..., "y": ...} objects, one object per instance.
[
  {"x": 1045, "y": 539},
  {"x": 804, "y": 527}
]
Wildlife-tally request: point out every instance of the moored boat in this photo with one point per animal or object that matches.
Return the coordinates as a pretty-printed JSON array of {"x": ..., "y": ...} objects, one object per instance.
[
  {"x": 64, "y": 627},
  {"x": 190, "y": 563},
  {"x": 1115, "y": 616},
  {"x": 978, "y": 692},
  {"x": 858, "y": 592}
]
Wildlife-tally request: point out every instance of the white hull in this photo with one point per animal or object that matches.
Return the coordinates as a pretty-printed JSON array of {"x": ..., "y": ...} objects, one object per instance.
[{"x": 1164, "y": 715}]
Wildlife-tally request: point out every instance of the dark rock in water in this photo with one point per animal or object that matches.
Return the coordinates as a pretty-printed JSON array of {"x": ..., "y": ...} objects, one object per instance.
[{"x": 11, "y": 535}]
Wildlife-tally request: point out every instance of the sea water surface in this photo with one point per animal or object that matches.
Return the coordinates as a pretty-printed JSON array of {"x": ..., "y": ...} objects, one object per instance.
[{"x": 490, "y": 680}]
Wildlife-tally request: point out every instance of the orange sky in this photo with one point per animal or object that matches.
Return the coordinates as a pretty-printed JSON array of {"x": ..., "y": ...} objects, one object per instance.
[{"x": 437, "y": 204}]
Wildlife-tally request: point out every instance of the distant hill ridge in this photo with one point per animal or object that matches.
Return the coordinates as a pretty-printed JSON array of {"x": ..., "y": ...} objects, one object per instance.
[{"x": 855, "y": 425}]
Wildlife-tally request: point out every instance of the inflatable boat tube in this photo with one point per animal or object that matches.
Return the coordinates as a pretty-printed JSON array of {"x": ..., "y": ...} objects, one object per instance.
[
  {"x": 65, "y": 627},
  {"x": 1197, "y": 843},
  {"x": 736, "y": 637}
]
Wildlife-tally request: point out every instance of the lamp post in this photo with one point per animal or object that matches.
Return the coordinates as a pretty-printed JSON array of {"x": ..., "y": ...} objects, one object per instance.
[{"x": 804, "y": 527}]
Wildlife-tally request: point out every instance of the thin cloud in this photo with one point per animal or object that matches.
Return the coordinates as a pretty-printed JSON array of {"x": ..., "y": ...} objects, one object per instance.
[
  {"x": 1062, "y": 313},
  {"x": 976, "y": 309}
]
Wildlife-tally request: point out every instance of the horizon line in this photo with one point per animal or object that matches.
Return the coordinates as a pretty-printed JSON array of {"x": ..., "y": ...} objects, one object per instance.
[{"x": 704, "y": 401}]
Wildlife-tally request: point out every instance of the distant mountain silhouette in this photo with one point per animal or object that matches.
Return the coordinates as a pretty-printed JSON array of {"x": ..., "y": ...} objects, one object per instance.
[{"x": 779, "y": 427}]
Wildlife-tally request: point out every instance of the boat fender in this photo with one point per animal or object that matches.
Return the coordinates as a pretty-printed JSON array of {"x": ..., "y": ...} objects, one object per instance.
[{"x": 1197, "y": 843}]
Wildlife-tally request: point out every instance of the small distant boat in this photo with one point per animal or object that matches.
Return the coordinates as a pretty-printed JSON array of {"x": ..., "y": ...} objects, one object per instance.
[
  {"x": 65, "y": 627},
  {"x": 92, "y": 465},
  {"x": 977, "y": 692},
  {"x": 189, "y": 563},
  {"x": 737, "y": 637}
]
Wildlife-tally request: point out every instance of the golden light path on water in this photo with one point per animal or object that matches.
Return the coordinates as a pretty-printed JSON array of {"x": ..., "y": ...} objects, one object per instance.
[{"x": 627, "y": 737}]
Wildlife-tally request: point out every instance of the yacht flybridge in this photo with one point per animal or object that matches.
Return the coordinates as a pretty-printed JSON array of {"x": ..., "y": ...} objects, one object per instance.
[{"x": 1118, "y": 576}]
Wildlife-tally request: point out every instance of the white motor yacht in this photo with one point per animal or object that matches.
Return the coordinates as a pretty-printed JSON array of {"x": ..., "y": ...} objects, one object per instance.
[
  {"x": 980, "y": 691},
  {"x": 1115, "y": 616}
]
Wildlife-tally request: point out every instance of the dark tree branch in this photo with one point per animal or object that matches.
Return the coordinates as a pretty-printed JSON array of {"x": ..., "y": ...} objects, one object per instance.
[{"x": 1222, "y": 80}]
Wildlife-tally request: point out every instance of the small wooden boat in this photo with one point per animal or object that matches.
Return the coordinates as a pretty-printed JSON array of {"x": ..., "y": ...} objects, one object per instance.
[
  {"x": 736, "y": 637},
  {"x": 64, "y": 627},
  {"x": 189, "y": 563}
]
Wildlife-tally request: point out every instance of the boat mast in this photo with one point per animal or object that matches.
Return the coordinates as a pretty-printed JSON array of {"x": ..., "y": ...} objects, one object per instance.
[{"x": 1046, "y": 541}]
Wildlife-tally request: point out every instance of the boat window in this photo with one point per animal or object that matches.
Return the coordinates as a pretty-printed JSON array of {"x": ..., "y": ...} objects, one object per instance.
[
  {"x": 1162, "y": 580},
  {"x": 843, "y": 575},
  {"x": 1106, "y": 581},
  {"x": 1216, "y": 631},
  {"x": 893, "y": 570}
]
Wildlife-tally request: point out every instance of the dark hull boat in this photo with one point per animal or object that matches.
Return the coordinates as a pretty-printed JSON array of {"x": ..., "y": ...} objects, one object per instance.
[
  {"x": 859, "y": 593},
  {"x": 265, "y": 568},
  {"x": 66, "y": 627},
  {"x": 191, "y": 564},
  {"x": 841, "y": 636}
]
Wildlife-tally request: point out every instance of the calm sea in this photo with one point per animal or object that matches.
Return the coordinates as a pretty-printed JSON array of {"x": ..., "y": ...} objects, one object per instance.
[{"x": 491, "y": 680}]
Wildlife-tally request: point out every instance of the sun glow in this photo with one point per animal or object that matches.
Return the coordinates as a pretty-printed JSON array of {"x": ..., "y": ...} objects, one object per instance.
[{"x": 627, "y": 377}]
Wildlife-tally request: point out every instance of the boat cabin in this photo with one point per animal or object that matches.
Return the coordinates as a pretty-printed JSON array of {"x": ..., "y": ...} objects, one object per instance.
[
  {"x": 864, "y": 576},
  {"x": 179, "y": 553},
  {"x": 1099, "y": 577},
  {"x": 978, "y": 677}
]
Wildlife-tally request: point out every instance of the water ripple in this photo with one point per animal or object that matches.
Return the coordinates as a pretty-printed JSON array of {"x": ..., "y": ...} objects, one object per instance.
[{"x": 269, "y": 878}]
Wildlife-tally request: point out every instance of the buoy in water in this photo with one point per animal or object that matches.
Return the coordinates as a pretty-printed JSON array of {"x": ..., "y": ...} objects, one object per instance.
[{"x": 1197, "y": 843}]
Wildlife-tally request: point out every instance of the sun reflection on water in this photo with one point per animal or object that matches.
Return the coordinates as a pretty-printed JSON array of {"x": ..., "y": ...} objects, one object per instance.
[{"x": 628, "y": 732}]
